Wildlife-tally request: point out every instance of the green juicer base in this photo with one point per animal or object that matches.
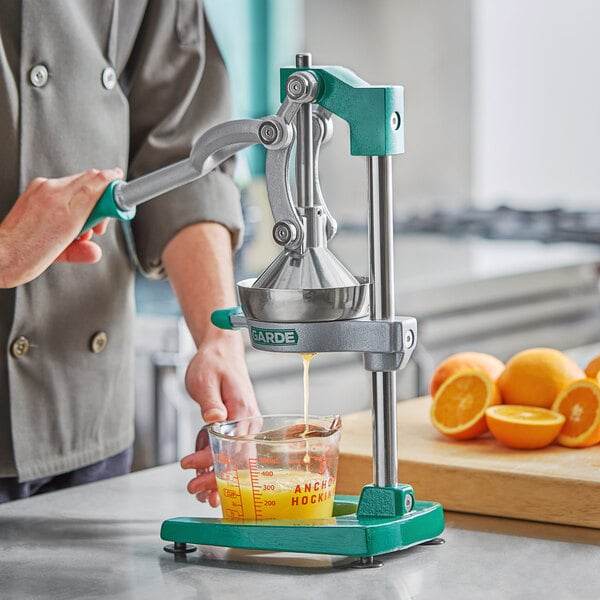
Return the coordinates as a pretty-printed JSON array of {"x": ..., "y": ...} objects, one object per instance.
[{"x": 376, "y": 523}]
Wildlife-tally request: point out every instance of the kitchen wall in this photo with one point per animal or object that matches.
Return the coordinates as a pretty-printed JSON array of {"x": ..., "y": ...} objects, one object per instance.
[{"x": 536, "y": 92}]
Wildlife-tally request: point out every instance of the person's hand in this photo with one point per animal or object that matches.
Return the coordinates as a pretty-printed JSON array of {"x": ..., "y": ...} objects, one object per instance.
[
  {"x": 217, "y": 378},
  {"x": 44, "y": 224},
  {"x": 82, "y": 249},
  {"x": 199, "y": 264}
]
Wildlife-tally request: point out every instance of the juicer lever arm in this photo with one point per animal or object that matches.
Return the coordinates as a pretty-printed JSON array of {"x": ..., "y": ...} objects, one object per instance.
[
  {"x": 210, "y": 150},
  {"x": 216, "y": 145},
  {"x": 289, "y": 230}
]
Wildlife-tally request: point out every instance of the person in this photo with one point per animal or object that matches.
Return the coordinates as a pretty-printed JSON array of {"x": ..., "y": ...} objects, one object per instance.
[{"x": 87, "y": 87}]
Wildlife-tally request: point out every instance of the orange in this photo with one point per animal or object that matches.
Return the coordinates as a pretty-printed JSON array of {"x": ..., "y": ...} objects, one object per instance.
[
  {"x": 580, "y": 404},
  {"x": 458, "y": 407},
  {"x": 465, "y": 361},
  {"x": 524, "y": 426},
  {"x": 536, "y": 376},
  {"x": 593, "y": 368}
]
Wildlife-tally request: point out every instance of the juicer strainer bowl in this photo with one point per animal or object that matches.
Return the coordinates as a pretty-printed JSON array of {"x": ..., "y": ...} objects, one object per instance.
[{"x": 277, "y": 305}]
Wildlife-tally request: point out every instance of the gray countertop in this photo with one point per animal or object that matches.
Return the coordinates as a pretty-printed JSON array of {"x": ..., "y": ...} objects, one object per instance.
[{"x": 102, "y": 540}]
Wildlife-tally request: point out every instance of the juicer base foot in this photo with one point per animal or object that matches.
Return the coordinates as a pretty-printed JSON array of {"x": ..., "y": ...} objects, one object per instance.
[
  {"x": 179, "y": 548},
  {"x": 438, "y": 541},
  {"x": 367, "y": 562}
]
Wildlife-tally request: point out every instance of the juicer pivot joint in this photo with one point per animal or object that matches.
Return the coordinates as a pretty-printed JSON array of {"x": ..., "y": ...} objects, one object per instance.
[
  {"x": 302, "y": 87},
  {"x": 284, "y": 232}
]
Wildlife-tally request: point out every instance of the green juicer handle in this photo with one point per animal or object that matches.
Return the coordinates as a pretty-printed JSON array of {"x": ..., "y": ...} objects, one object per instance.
[
  {"x": 222, "y": 318},
  {"x": 108, "y": 207}
]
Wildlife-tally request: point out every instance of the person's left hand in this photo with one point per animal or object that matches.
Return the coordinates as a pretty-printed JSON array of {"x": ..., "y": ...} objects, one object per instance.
[{"x": 217, "y": 378}]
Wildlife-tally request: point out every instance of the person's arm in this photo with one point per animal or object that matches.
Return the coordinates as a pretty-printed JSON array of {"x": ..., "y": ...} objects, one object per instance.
[
  {"x": 199, "y": 264},
  {"x": 44, "y": 224}
]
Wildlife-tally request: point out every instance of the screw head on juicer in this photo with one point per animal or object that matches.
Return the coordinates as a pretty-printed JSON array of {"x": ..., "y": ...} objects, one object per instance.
[
  {"x": 268, "y": 133},
  {"x": 302, "y": 87},
  {"x": 395, "y": 120},
  {"x": 284, "y": 232},
  {"x": 409, "y": 339}
]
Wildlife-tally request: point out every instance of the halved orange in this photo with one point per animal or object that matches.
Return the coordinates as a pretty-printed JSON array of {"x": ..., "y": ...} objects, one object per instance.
[
  {"x": 524, "y": 427},
  {"x": 458, "y": 407},
  {"x": 580, "y": 404},
  {"x": 592, "y": 369}
]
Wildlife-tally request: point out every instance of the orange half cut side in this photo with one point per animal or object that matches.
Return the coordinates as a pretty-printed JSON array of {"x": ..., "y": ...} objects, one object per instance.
[
  {"x": 524, "y": 427},
  {"x": 580, "y": 404},
  {"x": 592, "y": 369},
  {"x": 459, "y": 405}
]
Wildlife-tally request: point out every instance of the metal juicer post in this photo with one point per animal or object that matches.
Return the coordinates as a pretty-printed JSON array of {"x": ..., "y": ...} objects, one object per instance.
[{"x": 381, "y": 259}]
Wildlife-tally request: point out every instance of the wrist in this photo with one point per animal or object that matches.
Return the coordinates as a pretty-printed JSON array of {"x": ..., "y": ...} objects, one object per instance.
[{"x": 215, "y": 335}]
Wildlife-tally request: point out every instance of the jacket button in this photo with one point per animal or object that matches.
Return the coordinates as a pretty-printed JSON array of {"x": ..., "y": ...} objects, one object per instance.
[
  {"x": 98, "y": 342},
  {"x": 38, "y": 76},
  {"x": 109, "y": 78},
  {"x": 20, "y": 347}
]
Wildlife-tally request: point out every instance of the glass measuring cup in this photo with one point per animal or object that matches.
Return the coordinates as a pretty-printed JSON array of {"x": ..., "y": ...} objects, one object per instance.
[{"x": 276, "y": 467}]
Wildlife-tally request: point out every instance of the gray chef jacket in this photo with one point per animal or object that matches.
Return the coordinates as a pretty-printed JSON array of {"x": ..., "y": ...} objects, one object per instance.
[{"x": 96, "y": 84}]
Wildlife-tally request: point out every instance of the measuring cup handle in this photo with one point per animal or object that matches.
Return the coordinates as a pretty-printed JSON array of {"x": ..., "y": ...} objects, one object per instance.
[
  {"x": 107, "y": 207},
  {"x": 202, "y": 440}
]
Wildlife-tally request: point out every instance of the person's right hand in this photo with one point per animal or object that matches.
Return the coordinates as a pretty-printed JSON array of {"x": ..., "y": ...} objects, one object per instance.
[{"x": 44, "y": 224}]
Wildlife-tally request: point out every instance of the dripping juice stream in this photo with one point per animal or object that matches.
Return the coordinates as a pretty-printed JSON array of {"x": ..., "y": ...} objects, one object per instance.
[{"x": 306, "y": 358}]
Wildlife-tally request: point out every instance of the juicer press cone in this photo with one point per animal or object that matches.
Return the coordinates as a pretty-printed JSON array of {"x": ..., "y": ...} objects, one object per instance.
[{"x": 314, "y": 286}]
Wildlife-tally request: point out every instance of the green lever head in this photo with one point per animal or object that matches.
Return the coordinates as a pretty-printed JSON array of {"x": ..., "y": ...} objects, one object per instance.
[
  {"x": 108, "y": 207},
  {"x": 374, "y": 113}
]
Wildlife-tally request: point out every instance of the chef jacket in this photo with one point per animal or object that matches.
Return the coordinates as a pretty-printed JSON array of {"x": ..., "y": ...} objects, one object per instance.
[{"x": 96, "y": 84}]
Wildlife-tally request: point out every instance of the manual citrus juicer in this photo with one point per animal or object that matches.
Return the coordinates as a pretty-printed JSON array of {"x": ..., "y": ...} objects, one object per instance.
[{"x": 307, "y": 301}]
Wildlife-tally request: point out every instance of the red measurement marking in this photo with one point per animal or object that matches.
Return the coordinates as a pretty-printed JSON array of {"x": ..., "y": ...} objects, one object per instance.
[{"x": 255, "y": 483}]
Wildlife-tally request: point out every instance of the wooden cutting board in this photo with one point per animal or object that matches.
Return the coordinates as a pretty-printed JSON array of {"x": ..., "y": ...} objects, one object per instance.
[{"x": 553, "y": 485}]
